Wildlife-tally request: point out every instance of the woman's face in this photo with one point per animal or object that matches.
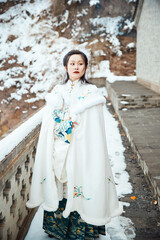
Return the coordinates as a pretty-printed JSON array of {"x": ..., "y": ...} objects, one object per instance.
[{"x": 75, "y": 67}]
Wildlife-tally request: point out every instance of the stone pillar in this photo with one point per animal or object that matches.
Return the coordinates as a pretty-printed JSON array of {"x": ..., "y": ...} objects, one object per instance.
[{"x": 148, "y": 47}]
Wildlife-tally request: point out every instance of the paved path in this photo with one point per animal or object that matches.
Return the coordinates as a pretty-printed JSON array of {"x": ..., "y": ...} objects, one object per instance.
[
  {"x": 142, "y": 211},
  {"x": 142, "y": 127}
]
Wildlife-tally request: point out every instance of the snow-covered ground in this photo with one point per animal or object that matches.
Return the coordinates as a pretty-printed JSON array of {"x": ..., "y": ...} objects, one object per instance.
[{"x": 120, "y": 228}]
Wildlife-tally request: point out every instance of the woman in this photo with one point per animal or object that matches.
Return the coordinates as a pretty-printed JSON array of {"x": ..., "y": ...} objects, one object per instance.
[{"x": 72, "y": 178}]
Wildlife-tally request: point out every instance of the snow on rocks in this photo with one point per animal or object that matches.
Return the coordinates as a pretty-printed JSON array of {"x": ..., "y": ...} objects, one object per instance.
[
  {"x": 35, "y": 50},
  {"x": 128, "y": 25},
  {"x": 103, "y": 70},
  {"x": 131, "y": 45},
  {"x": 93, "y": 2},
  {"x": 73, "y": 1},
  {"x": 110, "y": 25},
  {"x": 32, "y": 49}
]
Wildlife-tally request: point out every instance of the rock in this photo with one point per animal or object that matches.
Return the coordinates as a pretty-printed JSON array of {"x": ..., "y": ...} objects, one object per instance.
[{"x": 11, "y": 38}]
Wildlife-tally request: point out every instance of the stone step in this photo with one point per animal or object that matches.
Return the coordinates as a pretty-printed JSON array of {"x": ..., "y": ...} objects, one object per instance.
[{"x": 132, "y": 95}]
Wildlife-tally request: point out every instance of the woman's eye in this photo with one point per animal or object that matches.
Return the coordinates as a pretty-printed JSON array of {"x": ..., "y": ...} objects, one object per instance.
[{"x": 72, "y": 64}]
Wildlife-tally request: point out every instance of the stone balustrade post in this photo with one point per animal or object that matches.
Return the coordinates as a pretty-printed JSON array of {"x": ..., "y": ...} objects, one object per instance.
[{"x": 15, "y": 179}]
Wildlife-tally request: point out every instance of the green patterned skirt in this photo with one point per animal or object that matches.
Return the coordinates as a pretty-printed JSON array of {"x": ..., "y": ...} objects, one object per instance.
[{"x": 73, "y": 227}]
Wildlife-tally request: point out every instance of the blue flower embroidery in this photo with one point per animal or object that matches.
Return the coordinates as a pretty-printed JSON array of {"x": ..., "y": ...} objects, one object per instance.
[
  {"x": 64, "y": 129},
  {"x": 84, "y": 95},
  {"x": 81, "y": 97},
  {"x": 78, "y": 192}
]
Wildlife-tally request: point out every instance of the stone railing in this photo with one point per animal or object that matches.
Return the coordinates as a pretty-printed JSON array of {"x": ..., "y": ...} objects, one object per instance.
[{"x": 15, "y": 178}]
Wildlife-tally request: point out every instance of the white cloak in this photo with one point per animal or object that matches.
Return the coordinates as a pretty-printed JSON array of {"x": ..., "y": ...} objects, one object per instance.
[{"x": 83, "y": 164}]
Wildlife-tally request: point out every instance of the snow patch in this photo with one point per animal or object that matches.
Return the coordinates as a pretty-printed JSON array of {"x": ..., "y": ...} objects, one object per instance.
[
  {"x": 124, "y": 102},
  {"x": 128, "y": 25},
  {"x": 36, "y": 48},
  {"x": 116, "y": 155},
  {"x": 93, "y": 2},
  {"x": 131, "y": 45},
  {"x": 125, "y": 95},
  {"x": 93, "y": 42},
  {"x": 121, "y": 228},
  {"x": 110, "y": 25},
  {"x": 73, "y": 1},
  {"x": 103, "y": 70},
  {"x": 112, "y": 78}
]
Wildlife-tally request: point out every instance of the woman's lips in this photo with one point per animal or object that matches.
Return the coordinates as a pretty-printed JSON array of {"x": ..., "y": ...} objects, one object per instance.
[{"x": 76, "y": 72}]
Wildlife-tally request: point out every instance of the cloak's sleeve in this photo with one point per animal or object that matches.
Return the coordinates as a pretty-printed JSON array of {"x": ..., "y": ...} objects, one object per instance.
[
  {"x": 54, "y": 99},
  {"x": 87, "y": 99}
]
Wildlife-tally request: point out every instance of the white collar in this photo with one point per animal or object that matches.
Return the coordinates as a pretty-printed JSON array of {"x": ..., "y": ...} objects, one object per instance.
[{"x": 74, "y": 83}]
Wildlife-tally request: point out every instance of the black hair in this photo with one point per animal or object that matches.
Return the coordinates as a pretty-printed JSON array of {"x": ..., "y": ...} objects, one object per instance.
[{"x": 66, "y": 59}]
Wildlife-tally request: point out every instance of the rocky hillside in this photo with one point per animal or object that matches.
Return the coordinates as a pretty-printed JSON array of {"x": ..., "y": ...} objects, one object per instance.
[{"x": 37, "y": 34}]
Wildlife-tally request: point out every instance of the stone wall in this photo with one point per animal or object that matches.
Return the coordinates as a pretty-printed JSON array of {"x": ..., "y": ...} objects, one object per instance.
[
  {"x": 15, "y": 179},
  {"x": 148, "y": 47}
]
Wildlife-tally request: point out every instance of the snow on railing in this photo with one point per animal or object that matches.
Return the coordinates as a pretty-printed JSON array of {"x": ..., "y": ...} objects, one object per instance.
[{"x": 8, "y": 143}]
